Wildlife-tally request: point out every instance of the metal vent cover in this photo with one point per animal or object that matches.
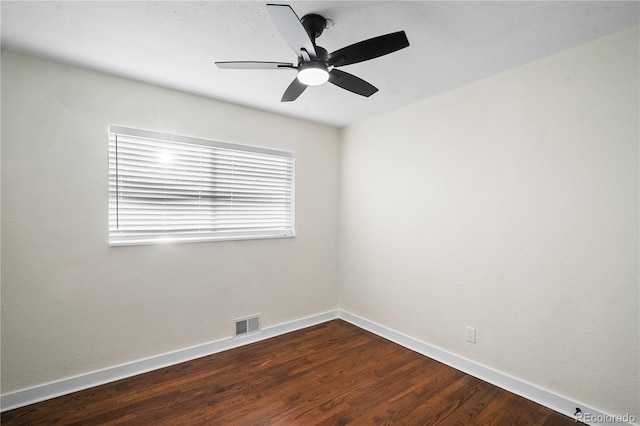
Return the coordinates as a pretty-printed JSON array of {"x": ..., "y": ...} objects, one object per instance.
[{"x": 247, "y": 325}]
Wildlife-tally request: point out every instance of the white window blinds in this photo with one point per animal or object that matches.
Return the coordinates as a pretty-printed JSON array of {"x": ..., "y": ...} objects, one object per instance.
[{"x": 165, "y": 188}]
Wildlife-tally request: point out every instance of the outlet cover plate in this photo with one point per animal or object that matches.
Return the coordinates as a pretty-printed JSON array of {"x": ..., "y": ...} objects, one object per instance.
[{"x": 471, "y": 334}]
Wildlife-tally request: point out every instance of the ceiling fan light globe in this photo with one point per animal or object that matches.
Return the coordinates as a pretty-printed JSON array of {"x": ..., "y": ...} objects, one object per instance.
[{"x": 313, "y": 74}]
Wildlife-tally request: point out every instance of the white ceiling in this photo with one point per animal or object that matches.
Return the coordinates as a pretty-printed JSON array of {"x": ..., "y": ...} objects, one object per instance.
[{"x": 175, "y": 44}]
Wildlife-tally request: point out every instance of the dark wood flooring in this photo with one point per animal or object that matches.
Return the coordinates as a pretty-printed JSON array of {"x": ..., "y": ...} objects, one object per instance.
[{"x": 330, "y": 374}]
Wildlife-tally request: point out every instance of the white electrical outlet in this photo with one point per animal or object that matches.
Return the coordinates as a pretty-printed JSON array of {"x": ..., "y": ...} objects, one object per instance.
[{"x": 471, "y": 334}]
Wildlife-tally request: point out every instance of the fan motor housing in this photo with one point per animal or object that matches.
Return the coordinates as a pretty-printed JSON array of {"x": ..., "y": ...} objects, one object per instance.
[{"x": 321, "y": 54}]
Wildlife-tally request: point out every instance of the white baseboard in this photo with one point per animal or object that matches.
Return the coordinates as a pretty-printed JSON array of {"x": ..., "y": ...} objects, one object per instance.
[
  {"x": 73, "y": 384},
  {"x": 519, "y": 387},
  {"x": 541, "y": 396}
]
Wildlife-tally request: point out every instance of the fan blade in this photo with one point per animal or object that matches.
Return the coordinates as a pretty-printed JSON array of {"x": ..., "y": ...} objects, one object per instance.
[
  {"x": 369, "y": 49},
  {"x": 351, "y": 83},
  {"x": 291, "y": 28},
  {"x": 251, "y": 65},
  {"x": 294, "y": 90}
]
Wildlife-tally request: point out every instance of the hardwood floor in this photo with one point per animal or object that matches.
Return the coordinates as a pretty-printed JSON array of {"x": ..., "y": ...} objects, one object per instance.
[{"x": 330, "y": 374}]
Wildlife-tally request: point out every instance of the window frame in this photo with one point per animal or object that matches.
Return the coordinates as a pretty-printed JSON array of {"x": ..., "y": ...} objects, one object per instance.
[{"x": 120, "y": 238}]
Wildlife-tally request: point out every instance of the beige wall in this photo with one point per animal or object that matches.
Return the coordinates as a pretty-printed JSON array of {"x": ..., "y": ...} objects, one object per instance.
[
  {"x": 509, "y": 205},
  {"x": 70, "y": 303}
]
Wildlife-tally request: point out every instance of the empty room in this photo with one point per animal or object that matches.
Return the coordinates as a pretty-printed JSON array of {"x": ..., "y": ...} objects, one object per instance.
[{"x": 320, "y": 212}]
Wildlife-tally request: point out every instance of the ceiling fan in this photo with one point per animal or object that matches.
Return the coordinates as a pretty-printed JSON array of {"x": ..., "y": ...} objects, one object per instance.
[{"x": 315, "y": 65}]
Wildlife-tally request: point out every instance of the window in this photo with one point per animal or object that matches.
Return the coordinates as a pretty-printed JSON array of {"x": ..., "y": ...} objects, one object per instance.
[{"x": 166, "y": 188}]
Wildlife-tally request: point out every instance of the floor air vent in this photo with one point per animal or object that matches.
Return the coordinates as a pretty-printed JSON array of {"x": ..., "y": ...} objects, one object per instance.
[{"x": 246, "y": 326}]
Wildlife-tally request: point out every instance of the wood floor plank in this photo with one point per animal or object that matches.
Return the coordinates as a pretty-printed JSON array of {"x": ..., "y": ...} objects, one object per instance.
[{"x": 330, "y": 374}]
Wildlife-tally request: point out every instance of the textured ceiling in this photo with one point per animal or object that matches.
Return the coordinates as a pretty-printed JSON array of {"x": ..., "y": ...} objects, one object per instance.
[{"x": 175, "y": 44}]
